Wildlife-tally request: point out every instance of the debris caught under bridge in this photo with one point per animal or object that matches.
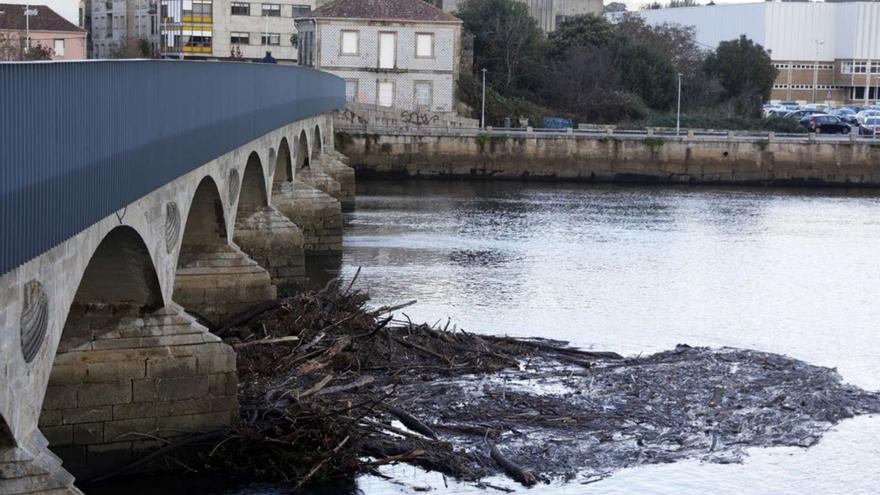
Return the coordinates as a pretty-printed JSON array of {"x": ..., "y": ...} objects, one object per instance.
[{"x": 330, "y": 389}]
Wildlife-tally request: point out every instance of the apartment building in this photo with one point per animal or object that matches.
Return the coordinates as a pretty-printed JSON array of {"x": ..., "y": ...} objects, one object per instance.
[
  {"x": 397, "y": 54},
  {"x": 223, "y": 29},
  {"x": 113, "y": 23},
  {"x": 825, "y": 52}
]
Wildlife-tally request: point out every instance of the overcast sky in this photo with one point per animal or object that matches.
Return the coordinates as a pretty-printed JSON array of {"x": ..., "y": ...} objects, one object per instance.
[{"x": 68, "y": 8}]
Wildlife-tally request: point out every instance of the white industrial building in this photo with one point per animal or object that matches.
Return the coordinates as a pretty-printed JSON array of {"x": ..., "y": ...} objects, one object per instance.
[{"x": 823, "y": 51}]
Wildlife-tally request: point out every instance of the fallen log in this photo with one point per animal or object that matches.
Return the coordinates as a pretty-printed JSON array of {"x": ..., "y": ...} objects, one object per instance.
[
  {"x": 412, "y": 422},
  {"x": 525, "y": 476}
]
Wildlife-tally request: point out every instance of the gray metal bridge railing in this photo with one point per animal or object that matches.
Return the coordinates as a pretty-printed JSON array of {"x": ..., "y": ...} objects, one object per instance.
[{"x": 80, "y": 140}]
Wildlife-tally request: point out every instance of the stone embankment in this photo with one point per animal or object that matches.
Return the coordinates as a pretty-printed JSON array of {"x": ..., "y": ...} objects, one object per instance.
[{"x": 615, "y": 157}]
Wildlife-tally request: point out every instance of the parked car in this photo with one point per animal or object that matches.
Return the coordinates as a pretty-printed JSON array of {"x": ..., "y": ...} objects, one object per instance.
[
  {"x": 825, "y": 124},
  {"x": 864, "y": 114},
  {"x": 790, "y": 105},
  {"x": 871, "y": 126},
  {"x": 845, "y": 114},
  {"x": 799, "y": 114}
]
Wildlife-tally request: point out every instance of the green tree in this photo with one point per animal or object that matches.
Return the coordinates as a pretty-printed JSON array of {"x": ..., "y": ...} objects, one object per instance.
[
  {"x": 581, "y": 31},
  {"x": 38, "y": 52},
  {"x": 647, "y": 73},
  {"x": 745, "y": 72},
  {"x": 507, "y": 41}
]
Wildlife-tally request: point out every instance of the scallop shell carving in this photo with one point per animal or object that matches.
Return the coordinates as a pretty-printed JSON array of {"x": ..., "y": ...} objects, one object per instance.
[
  {"x": 172, "y": 225},
  {"x": 234, "y": 184},
  {"x": 34, "y": 319}
]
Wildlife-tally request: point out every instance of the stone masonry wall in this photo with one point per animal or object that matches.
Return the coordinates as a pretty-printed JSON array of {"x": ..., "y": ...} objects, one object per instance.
[
  {"x": 315, "y": 212},
  {"x": 120, "y": 381},
  {"x": 274, "y": 242},
  {"x": 617, "y": 159}
]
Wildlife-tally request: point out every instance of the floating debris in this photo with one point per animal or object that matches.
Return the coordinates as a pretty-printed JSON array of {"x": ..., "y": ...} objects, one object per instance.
[{"x": 330, "y": 389}]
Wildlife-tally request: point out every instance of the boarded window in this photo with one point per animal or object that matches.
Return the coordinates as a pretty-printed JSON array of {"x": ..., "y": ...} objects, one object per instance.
[
  {"x": 387, "y": 50},
  {"x": 386, "y": 94},
  {"x": 349, "y": 43},
  {"x": 424, "y": 45},
  {"x": 58, "y": 48}
]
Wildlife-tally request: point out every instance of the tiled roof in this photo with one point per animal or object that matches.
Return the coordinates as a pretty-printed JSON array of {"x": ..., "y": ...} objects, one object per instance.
[
  {"x": 386, "y": 10},
  {"x": 12, "y": 18}
]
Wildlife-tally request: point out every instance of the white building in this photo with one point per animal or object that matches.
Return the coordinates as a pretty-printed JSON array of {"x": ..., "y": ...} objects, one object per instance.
[
  {"x": 401, "y": 54},
  {"x": 824, "y": 51},
  {"x": 548, "y": 13},
  {"x": 222, "y": 29},
  {"x": 113, "y": 23}
]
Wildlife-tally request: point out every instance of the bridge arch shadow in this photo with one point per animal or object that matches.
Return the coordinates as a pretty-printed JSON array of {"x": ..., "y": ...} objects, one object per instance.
[
  {"x": 318, "y": 144},
  {"x": 118, "y": 289},
  {"x": 303, "y": 160},
  {"x": 253, "y": 185},
  {"x": 283, "y": 163},
  {"x": 6, "y": 438},
  {"x": 205, "y": 223}
]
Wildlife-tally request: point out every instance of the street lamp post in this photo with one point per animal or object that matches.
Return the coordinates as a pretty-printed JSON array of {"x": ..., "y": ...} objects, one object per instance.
[
  {"x": 28, "y": 12},
  {"x": 816, "y": 69},
  {"x": 678, "y": 110},
  {"x": 483, "y": 111}
]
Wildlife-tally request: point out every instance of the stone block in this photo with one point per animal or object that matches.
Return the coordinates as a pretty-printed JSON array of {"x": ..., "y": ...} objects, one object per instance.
[
  {"x": 135, "y": 410},
  {"x": 117, "y": 430},
  {"x": 67, "y": 374},
  {"x": 114, "y": 371},
  {"x": 88, "y": 433},
  {"x": 217, "y": 362},
  {"x": 60, "y": 397},
  {"x": 88, "y": 414},
  {"x": 100, "y": 394},
  {"x": 171, "y": 389},
  {"x": 171, "y": 367},
  {"x": 144, "y": 390},
  {"x": 51, "y": 418},
  {"x": 58, "y": 435}
]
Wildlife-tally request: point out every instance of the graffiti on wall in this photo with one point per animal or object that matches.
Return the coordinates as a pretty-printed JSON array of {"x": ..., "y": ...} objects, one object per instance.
[{"x": 417, "y": 118}]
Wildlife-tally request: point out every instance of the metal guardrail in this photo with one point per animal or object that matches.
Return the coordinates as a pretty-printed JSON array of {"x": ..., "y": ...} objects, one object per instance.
[
  {"x": 80, "y": 140},
  {"x": 623, "y": 134}
]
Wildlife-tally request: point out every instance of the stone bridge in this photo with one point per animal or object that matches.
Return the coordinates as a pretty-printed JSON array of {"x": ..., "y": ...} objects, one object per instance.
[{"x": 141, "y": 203}]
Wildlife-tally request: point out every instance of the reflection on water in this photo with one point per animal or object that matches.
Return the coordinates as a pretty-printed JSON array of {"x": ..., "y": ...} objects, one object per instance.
[{"x": 637, "y": 270}]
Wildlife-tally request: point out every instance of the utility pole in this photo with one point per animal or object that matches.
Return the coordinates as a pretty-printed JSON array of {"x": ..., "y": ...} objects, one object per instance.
[
  {"x": 816, "y": 69},
  {"x": 483, "y": 113},
  {"x": 27, "y": 24},
  {"x": 678, "y": 111}
]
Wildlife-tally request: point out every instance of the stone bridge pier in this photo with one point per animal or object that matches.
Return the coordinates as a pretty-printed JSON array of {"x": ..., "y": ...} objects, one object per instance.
[{"x": 105, "y": 337}]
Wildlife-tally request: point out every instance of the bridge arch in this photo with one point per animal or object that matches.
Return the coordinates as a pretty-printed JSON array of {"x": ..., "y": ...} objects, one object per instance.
[
  {"x": 318, "y": 144},
  {"x": 6, "y": 438},
  {"x": 121, "y": 272},
  {"x": 253, "y": 185},
  {"x": 303, "y": 157},
  {"x": 119, "y": 287},
  {"x": 283, "y": 163},
  {"x": 206, "y": 222}
]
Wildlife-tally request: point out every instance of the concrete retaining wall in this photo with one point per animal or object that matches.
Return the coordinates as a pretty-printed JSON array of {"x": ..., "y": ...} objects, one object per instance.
[{"x": 616, "y": 159}]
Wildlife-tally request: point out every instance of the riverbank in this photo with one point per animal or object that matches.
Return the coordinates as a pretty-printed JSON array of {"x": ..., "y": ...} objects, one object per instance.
[
  {"x": 330, "y": 389},
  {"x": 620, "y": 157}
]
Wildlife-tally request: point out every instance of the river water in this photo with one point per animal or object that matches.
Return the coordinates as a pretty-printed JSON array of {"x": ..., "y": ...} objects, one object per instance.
[{"x": 638, "y": 270}]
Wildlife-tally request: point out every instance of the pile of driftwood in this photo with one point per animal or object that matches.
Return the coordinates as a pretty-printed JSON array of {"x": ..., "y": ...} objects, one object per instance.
[{"x": 330, "y": 388}]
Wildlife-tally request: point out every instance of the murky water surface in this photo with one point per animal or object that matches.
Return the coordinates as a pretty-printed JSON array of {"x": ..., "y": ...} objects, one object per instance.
[{"x": 638, "y": 270}]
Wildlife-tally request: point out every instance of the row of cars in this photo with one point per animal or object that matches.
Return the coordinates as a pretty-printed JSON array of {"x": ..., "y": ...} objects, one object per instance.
[{"x": 826, "y": 120}]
